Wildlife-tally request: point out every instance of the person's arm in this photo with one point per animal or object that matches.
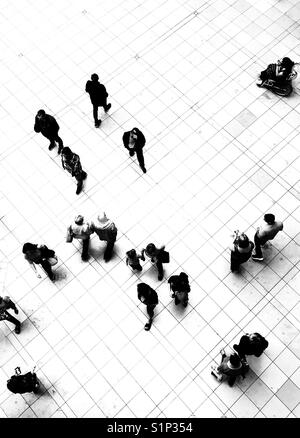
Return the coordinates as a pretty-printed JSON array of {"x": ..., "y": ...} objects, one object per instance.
[
  {"x": 77, "y": 165},
  {"x": 11, "y": 304},
  {"x": 37, "y": 125},
  {"x": 141, "y": 139},
  {"x": 34, "y": 269},
  {"x": 125, "y": 139},
  {"x": 142, "y": 255},
  {"x": 63, "y": 162},
  {"x": 127, "y": 261},
  {"x": 87, "y": 87}
]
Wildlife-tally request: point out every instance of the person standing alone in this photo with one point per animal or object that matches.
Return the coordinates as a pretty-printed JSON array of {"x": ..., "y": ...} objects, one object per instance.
[
  {"x": 49, "y": 127},
  {"x": 98, "y": 96},
  {"x": 134, "y": 141}
]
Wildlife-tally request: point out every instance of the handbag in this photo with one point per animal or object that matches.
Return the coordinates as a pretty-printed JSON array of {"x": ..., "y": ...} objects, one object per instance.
[
  {"x": 69, "y": 236},
  {"x": 53, "y": 260},
  {"x": 165, "y": 257}
]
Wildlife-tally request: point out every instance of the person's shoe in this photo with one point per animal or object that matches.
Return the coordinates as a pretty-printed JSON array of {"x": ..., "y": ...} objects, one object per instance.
[
  {"x": 257, "y": 259},
  {"x": 51, "y": 146},
  {"x": 148, "y": 325},
  {"x": 108, "y": 107},
  {"x": 131, "y": 153},
  {"x": 79, "y": 187},
  {"x": 160, "y": 277},
  {"x": 107, "y": 257},
  {"x": 97, "y": 124},
  {"x": 18, "y": 329},
  {"x": 144, "y": 169},
  {"x": 52, "y": 277},
  {"x": 84, "y": 257}
]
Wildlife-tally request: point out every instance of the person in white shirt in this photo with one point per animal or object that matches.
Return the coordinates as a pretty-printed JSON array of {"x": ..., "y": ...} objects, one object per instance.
[{"x": 265, "y": 233}]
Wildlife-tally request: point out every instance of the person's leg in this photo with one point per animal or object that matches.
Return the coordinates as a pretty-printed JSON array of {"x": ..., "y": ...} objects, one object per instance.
[
  {"x": 60, "y": 143},
  {"x": 51, "y": 138},
  {"x": 85, "y": 249},
  {"x": 231, "y": 380},
  {"x": 15, "y": 321},
  {"x": 48, "y": 269},
  {"x": 95, "y": 115},
  {"x": 140, "y": 157},
  {"x": 257, "y": 248},
  {"x": 79, "y": 179},
  {"x": 160, "y": 269},
  {"x": 150, "y": 311},
  {"x": 234, "y": 265},
  {"x": 109, "y": 249},
  {"x": 106, "y": 105}
]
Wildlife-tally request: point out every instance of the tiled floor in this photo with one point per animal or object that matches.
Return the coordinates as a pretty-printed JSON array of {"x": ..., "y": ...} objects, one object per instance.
[{"x": 220, "y": 153}]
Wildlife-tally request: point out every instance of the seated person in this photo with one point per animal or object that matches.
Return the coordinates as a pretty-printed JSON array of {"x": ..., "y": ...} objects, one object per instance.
[
  {"x": 277, "y": 72},
  {"x": 230, "y": 367}
]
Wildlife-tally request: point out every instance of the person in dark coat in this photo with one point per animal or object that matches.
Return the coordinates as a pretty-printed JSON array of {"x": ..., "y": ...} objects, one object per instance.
[
  {"x": 179, "y": 285},
  {"x": 39, "y": 255},
  {"x": 71, "y": 162},
  {"x": 134, "y": 141},
  {"x": 48, "y": 126},
  {"x": 5, "y": 304},
  {"x": 21, "y": 383},
  {"x": 156, "y": 256},
  {"x": 241, "y": 251},
  {"x": 98, "y": 96},
  {"x": 251, "y": 344},
  {"x": 149, "y": 297}
]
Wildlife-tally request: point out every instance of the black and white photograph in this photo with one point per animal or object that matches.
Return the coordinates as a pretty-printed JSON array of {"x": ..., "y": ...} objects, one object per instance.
[{"x": 150, "y": 211}]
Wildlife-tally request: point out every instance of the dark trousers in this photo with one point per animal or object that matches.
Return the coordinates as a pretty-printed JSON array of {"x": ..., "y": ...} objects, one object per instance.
[
  {"x": 139, "y": 155},
  {"x": 10, "y": 318},
  {"x": 160, "y": 268},
  {"x": 150, "y": 310},
  {"x": 257, "y": 245},
  {"x": 85, "y": 248},
  {"x": 80, "y": 176},
  {"x": 136, "y": 266},
  {"x": 47, "y": 268},
  {"x": 55, "y": 138},
  {"x": 109, "y": 248},
  {"x": 95, "y": 109}
]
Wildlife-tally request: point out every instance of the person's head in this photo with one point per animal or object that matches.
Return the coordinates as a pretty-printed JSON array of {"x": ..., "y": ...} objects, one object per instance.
[
  {"x": 131, "y": 253},
  {"x": 235, "y": 360},
  {"x": 28, "y": 247},
  {"x": 102, "y": 218},
  {"x": 183, "y": 276},
  {"x": 95, "y": 77},
  {"x": 269, "y": 218},
  {"x": 150, "y": 248},
  {"x": 243, "y": 241},
  {"x": 66, "y": 152},
  {"x": 79, "y": 220},
  {"x": 287, "y": 63},
  {"x": 41, "y": 114}
]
